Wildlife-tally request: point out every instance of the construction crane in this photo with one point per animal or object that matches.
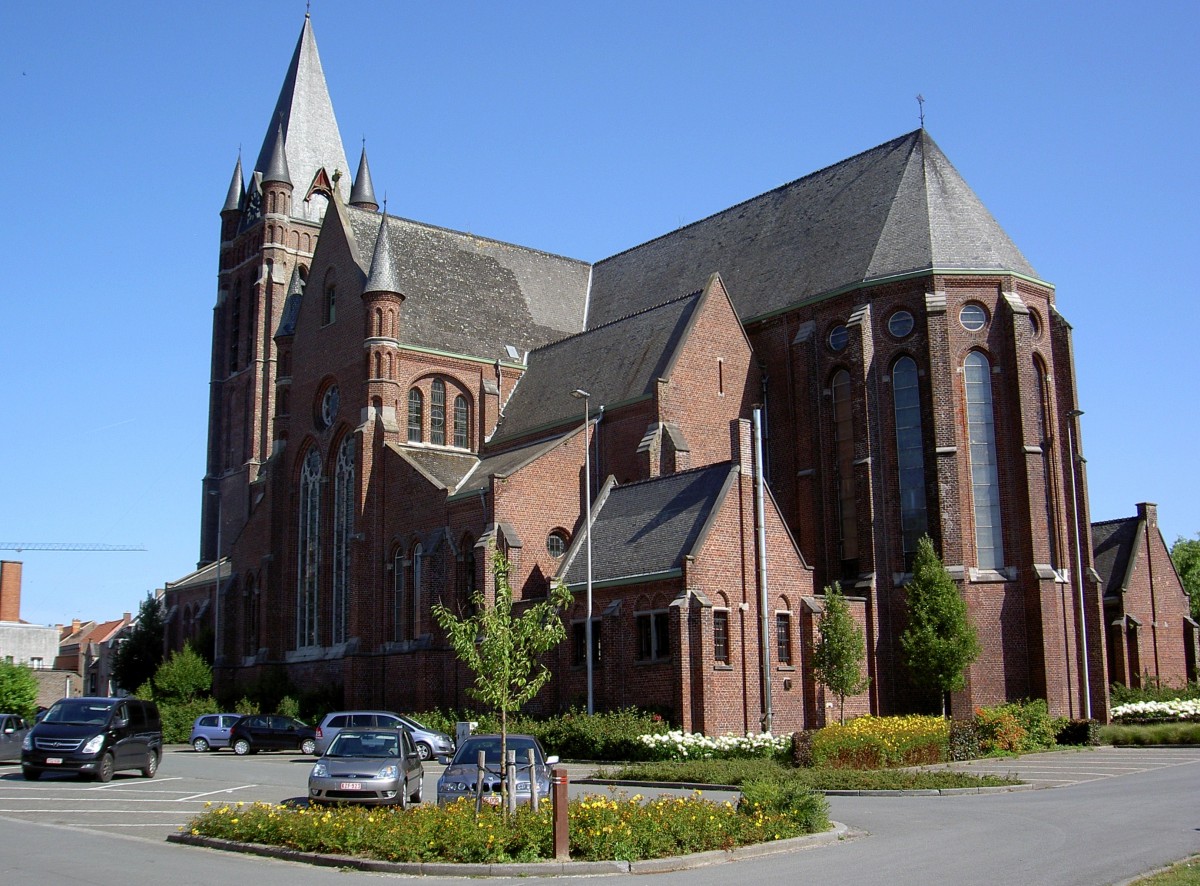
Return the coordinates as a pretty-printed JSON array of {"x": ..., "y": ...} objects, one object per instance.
[{"x": 64, "y": 546}]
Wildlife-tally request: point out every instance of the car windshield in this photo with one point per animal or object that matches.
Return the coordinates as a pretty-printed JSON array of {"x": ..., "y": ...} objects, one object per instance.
[
  {"x": 365, "y": 744},
  {"x": 413, "y": 724},
  {"x": 468, "y": 753},
  {"x": 79, "y": 712}
]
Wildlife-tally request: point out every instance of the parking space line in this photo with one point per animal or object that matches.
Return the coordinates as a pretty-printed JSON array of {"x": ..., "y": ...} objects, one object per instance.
[{"x": 222, "y": 791}]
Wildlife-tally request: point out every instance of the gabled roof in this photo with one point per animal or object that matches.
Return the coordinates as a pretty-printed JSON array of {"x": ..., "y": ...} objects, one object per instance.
[
  {"x": 646, "y": 529},
  {"x": 304, "y": 116},
  {"x": 507, "y": 463},
  {"x": 895, "y": 209},
  {"x": 473, "y": 296},
  {"x": 615, "y": 363},
  {"x": 1114, "y": 547},
  {"x": 446, "y": 469}
]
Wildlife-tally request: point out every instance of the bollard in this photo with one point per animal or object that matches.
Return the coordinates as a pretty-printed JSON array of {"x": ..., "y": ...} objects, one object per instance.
[
  {"x": 533, "y": 784},
  {"x": 480, "y": 763},
  {"x": 510, "y": 781},
  {"x": 562, "y": 829}
]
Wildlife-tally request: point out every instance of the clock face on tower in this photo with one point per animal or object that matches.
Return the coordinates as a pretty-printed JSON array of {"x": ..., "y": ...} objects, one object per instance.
[{"x": 329, "y": 406}]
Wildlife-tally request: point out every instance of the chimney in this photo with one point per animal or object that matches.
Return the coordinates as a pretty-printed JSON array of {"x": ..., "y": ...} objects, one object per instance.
[
  {"x": 10, "y": 590},
  {"x": 74, "y": 626}
]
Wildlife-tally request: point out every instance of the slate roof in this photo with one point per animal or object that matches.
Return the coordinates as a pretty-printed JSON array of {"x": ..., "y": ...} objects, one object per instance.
[
  {"x": 445, "y": 468},
  {"x": 895, "y": 209},
  {"x": 647, "y": 528},
  {"x": 615, "y": 363},
  {"x": 473, "y": 296},
  {"x": 507, "y": 463},
  {"x": 310, "y": 131},
  {"x": 1113, "y": 545}
]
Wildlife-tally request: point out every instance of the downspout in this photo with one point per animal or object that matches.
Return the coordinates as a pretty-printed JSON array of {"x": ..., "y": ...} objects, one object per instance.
[{"x": 761, "y": 545}]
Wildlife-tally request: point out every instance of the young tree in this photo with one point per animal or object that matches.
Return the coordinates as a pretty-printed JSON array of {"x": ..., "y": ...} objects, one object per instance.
[
  {"x": 1185, "y": 554},
  {"x": 840, "y": 651},
  {"x": 939, "y": 641},
  {"x": 18, "y": 690},
  {"x": 139, "y": 656},
  {"x": 184, "y": 676},
  {"x": 503, "y": 648}
]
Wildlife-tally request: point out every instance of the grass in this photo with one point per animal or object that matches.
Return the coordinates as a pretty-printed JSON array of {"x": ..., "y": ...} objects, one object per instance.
[
  {"x": 1185, "y": 873},
  {"x": 1184, "y": 733},
  {"x": 739, "y": 772}
]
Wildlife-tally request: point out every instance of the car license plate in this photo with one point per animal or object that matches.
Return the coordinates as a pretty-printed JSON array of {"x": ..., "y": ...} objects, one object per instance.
[
  {"x": 350, "y": 786},
  {"x": 54, "y": 761},
  {"x": 492, "y": 799}
]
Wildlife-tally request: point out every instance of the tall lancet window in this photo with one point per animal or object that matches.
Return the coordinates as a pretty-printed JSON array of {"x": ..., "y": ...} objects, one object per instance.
[
  {"x": 308, "y": 565},
  {"x": 910, "y": 456},
  {"x": 843, "y": 472},
  {"x": 985, "y": 475},
  {"x": 1043, "y": 427},
  {"x": 437, "y": 412},
  {"x": 343, "y": 527}
]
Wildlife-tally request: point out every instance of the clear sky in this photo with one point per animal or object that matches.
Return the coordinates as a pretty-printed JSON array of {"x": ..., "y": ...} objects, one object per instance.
[{"x": 576, "y": 129}]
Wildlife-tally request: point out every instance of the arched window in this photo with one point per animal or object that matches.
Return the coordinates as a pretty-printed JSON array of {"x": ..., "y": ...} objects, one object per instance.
[
  {"x": 843, "y": 473},
  {"x": 343, "y": 526},
  {"x": 330, "y": 309},
  {"x": 910, "y": 455},
  {"x": 250, "y": 618},
  {"x": 461, "y": 420},
  {"x": 418, "y": 563},
  {"x": 985, "y": 477},
  {"x": 416, "y": 410},
  {"x": 309, "y": 550},
  {"x": 437, "y": 413},
  {"x": 398, "y": 619}
]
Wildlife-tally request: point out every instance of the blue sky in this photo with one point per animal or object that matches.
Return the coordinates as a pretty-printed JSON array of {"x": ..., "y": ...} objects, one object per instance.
[{"x": 576, "y": 129}]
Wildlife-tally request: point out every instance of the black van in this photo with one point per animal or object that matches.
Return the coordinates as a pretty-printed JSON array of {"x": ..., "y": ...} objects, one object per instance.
[{"x": 96, "y": 737}]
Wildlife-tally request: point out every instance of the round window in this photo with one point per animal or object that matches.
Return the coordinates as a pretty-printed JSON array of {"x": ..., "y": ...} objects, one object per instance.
[
  {"x": 900, "y": 324},
  {"x": 329, "y": 405},
  {"x": 839, "y": 337},
  {"x": 1035, "y": 324},
  {"x": 556, "y": 543},
  {"x": 973, "y": 317}
]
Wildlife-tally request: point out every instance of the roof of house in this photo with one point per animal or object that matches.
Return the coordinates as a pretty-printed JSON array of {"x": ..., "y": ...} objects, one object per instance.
[
  {"x": 615, "y": 363},
  {"x": 896, "y": 209},
  {"x": 646, "y": 529},
  {"x": 469, "y": 295},
  {"x": 1114, "y": 547}
]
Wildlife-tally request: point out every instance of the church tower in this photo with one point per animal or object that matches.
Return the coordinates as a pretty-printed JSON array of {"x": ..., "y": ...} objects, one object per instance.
[{"x": 269, "y": 230}]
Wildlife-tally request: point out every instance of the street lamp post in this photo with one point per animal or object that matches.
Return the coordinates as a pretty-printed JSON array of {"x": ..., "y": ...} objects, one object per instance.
[
  {"x": 1073, "y": 416},
  {"x": 583, "y": 395}
]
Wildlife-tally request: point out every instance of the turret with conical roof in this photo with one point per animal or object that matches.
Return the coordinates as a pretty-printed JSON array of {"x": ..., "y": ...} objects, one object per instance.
[
  {"x": 232, "y": 209},
  {"x": 382, "y": 305},
  {"x": 362, "y": 194}
]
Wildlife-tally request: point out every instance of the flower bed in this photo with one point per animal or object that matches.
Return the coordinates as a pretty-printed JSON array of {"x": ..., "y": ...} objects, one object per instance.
[
  {"x": 1157, "y": 711},
  {"x": 881, "y": 742},
  {"x": 677, "y": 745},
  {"x": 602, "y": 828}
]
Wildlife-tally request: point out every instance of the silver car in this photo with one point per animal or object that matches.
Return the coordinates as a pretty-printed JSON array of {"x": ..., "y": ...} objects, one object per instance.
[
  {"x": 373, "y": 766},
  {"x": 460, "y": 777},
  {"x": 12, "y": 733},
  {"x": 429, "y": 742}
]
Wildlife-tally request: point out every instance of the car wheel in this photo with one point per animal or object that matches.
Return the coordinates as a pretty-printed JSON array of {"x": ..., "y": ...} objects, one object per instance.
[
  {"x": 107, "y": 765},
  {"x": 241, "y": 747},
  {"x": 308, "y": 746},
  {"x": 201, "y": 745},
  {"x": 31, "y": 774},
  {"x": 151, "y": 766},
  {"x": 424, "y": 751}
]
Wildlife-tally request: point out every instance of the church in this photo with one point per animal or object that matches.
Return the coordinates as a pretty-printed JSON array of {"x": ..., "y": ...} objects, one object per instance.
[{"x": 697, "y": 435}]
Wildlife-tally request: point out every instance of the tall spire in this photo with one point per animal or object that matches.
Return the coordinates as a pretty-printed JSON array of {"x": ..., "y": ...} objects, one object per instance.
[
  {"x": 382, "y": 277},
  {"x": 233, "y": 200},
  {"x": 362, "y": 194},
  {"x": 277, "y": 169},
  {"x": 303, "y": 118}
]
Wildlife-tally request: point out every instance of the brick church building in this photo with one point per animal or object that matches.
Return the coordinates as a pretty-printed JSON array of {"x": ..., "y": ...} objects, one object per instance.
[{"x": 392, "y": 400}]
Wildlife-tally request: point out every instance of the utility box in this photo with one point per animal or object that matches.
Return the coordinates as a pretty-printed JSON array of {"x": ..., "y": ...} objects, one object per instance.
[{"x": 463, "y": 730}]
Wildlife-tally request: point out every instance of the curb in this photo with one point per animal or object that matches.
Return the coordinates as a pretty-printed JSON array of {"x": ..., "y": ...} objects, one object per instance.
[{"x": 838, "y": 832}]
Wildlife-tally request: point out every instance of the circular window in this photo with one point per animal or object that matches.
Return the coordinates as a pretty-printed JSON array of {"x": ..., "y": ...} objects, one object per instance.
[
  {"x": 556, "y": 543},
  {"x": 839, "y": 337},
  {"x": 900, "y": 324},
  {"x": 973, "y": 317},
  {"x": 1035, "y": 324},
  {"x": 329, "y": 405}
]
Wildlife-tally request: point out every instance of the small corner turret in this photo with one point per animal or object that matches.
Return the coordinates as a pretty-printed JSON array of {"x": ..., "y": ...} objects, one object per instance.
[{"x": 362, "y": 195}]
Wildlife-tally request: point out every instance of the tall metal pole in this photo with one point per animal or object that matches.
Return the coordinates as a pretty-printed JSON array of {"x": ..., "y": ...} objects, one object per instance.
[
  {"x": 587, "y": 483},
  {"x": 1073, "y": 415}
]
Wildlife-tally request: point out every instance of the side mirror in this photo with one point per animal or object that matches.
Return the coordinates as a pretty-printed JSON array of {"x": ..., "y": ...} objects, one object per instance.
[
  {"x": 8, "y": 730},
  {"x": 552, "y": 759},
  {"x": 120, "y": 722}
]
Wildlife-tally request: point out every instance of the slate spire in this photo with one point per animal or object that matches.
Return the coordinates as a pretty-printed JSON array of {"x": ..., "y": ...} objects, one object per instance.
[
  {"x": 362, "y": 194},
  {"x": 382, "y": 277},
  {"x": 233, "y": 200},
  {"x": 277, "y": 169}
]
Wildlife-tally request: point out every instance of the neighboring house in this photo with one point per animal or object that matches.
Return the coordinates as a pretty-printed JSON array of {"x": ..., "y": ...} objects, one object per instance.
[
  {"x": 1150, "y": 635},
  {"x": 87, "y": 648},
  {"x": 391, "y": 399},
  {"x": 30, "y": 644}
]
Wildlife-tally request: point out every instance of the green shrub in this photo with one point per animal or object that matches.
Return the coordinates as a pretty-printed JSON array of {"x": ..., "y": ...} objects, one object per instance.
[
  {"x": 1016, "y": 728},
  {"x": 288, "y": 707},
  {"x": 184, "y": 676},
  {"x": 246, "y": 707},
  {"x": 802, "y": 742},
  {"x": 18, "y": 690},
  {"x": 964, "y": 740},
  {"x": 178, "y": 716},
  {"x": 789, "y": 798},
  {"x": 1186, "y": 733},
  {"x": 1079, "y": 733}
]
